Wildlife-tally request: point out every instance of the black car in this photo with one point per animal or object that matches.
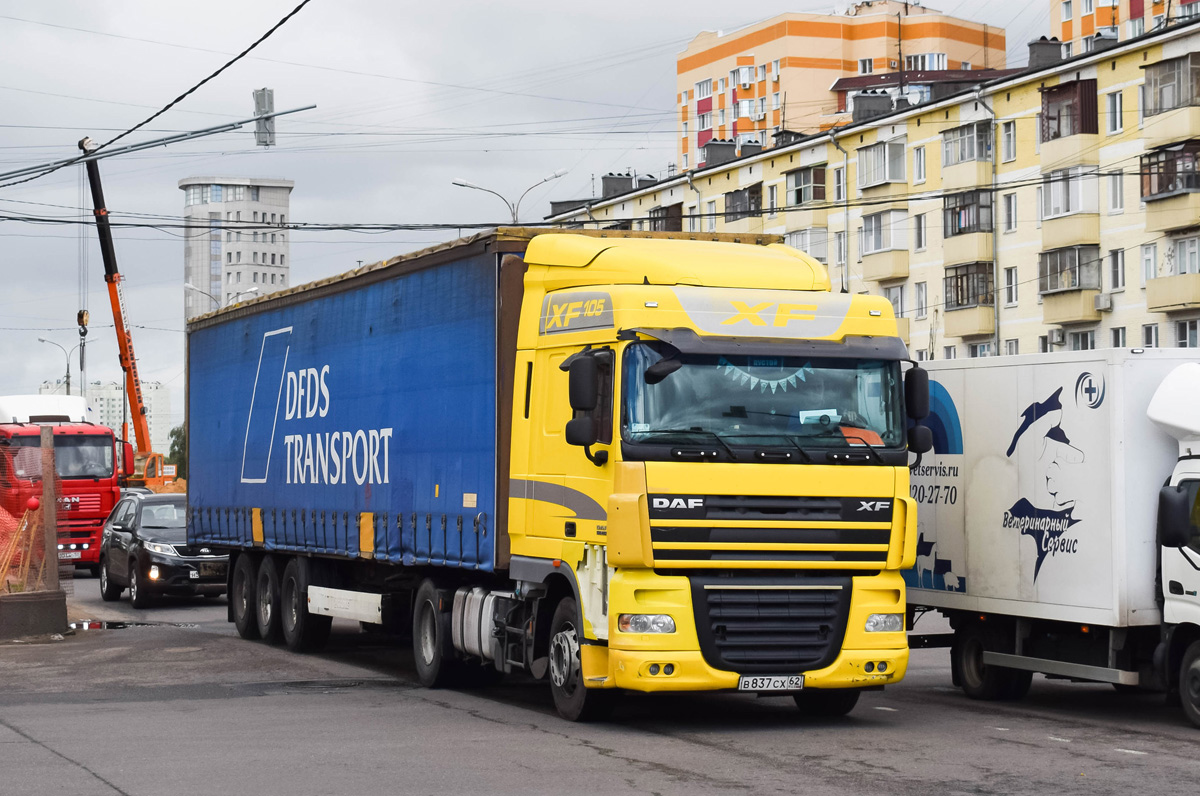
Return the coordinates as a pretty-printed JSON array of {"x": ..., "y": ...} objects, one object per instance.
[{"x": 144, "y": 548}]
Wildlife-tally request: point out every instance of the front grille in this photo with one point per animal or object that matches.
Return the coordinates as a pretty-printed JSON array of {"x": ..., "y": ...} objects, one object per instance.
[{"x": 778, "y": 625}]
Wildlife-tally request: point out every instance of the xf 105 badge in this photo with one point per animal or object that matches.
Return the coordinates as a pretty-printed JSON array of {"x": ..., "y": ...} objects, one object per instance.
[{"x": 576, "y": 311}]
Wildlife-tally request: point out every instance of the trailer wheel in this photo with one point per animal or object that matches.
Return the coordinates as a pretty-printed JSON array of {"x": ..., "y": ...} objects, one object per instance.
[
  {"x": 830, "y": 704},
  {"x": 573, "y": 700},
  {"x": 1189, "y": 683},
  {"x": 109, "y": 591},
  {"x": 979, "y": 681},
  {"x": 242, "y": 597},
  {"x": 266, "y": 607},
  {"x": 302, "y": 631},
  {"x": 434, "y": 661}
]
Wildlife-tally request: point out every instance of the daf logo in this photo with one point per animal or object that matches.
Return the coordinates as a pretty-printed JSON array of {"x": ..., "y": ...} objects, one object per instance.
[
  {"x": 874, "y": 505},
  {"x": 678, "y": 503}
]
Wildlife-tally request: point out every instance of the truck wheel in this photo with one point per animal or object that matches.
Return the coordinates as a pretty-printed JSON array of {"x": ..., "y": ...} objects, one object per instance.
[
  {"x": 109, "y": 591},
  {"x": 573, "y": 700},
  {"x": 979, "y": 681},
  {"x": 435, "y": 663},
  {"x": 1189, "y": 683},
  {"x": 827, "y": 704},
  {"x": 266, "y": 606},
  {"x": 302, "y": 631},
  {"x": 242, "y": 597},
  {"x": 138, "y": 596}
]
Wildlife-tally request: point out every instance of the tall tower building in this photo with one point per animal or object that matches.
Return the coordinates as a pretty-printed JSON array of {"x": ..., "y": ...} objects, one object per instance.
[{"x": 236, "y": 244}]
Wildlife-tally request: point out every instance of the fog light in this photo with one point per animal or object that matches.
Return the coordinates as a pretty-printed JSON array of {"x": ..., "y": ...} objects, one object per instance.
[
  {"x": 85, "y": 547},
  {"x": 885, "y": 623},
  {"x": 153, "y": 572},
  {"x": 72, "y": 547},
  {"x": 669, "y": 669},
  {"x": 869, "y": 667},
  {"x": 645, "y": 623},
  {"x": 883, "y": 666},
  {"x": 62, "y": 547},
  {"x": 654, "y": 668}
]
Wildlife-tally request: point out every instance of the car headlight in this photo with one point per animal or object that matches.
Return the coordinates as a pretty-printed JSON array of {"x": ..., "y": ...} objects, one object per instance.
[
  {"x": 885, "y": 623},
  {"x": 161, "y": 549},
  {"x": 645, "y": 623}
]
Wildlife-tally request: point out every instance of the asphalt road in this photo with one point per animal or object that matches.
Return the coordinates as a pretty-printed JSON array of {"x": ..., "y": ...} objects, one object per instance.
[{"x": 182, "y": 705}]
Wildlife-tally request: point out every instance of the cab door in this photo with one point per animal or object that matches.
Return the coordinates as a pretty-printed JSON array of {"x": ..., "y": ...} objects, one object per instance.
[{"x": 118, "y": 532}]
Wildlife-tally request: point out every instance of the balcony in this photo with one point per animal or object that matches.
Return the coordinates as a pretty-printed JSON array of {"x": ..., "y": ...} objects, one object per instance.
[
  {"x": 1171, "y": 127},
  {"x": 897, "y": 192},
  {"x": 1173, "y": 212},
  {"x": 885, "y": 265},
  {"x": 973, "y": 247},
  {"x": 1076, "y": 229},
  {"x": 1173, "y": 293},
  {"x": 964, "y": 176},
  {"x": 1064, "y": 309},
  {"x": 1081, "y": 149},
  {"x": 803, "y": 218},
  {"x": 971, "y": 321}
]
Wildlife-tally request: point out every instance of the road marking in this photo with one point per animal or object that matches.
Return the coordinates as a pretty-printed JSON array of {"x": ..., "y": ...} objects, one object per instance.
[
  {"x": 1131, "y": 752},
  {"x": 1001, "y": 729},
  {"x": 889, "y": 710},
  {"x": 1060, "y": 740}
]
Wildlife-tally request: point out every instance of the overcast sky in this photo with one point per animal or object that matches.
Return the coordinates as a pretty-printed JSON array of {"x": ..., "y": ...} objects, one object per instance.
[{"x": 409, "y": 97}]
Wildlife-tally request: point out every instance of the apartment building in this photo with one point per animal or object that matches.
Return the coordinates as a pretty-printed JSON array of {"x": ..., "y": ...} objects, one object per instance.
[
  {"x": 1057, "y": 208},
  {"x": 780, "y": 74},
  {"x": 1086, "y": 25},
  {"x": 106, "y": 403}
]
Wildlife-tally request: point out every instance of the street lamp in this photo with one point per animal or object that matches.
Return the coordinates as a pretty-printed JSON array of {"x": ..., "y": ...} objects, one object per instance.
[
  {"x": 513, "y": 207},
  {"x": 67, "y": 354},
  {"x": 217, "y": 301}
]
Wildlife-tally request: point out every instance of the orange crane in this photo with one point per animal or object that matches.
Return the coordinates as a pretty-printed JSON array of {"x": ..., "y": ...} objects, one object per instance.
[{"x": 147, "y": 465}]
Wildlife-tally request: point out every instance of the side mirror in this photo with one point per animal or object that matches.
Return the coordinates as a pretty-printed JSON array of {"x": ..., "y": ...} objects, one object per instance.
[
  {"x": 916, "y": 393},
  {"x": 127, "y": 459},
  {"x": 582, "y": 432},
  {"x": 1175, "y": 510},
  {"x": 584, "y": 384},
  {"x": 920, "y": 439}
]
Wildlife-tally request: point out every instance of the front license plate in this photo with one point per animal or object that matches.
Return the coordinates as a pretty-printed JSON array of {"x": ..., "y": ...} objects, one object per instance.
[
  {"x": 194, "y": 575},
  {"x": 64, "y": 555},
  {"x": 771, "y": 682}
]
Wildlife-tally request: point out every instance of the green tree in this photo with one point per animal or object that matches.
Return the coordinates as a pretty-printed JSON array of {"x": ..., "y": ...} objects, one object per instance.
[{"x": 178, "y": 453}]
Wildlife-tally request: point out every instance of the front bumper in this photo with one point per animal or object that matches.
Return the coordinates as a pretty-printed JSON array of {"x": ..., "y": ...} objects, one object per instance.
[{"x": 179, "y": 575}]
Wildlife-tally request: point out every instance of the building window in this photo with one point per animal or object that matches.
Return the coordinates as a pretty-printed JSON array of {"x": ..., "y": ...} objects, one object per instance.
[
  {"x": 775, "y": 101},
  {"x": 1072, "y": 268},
  {"x": 966, "y": 65},
  {"x": 745, "y": 108},
  {"x": 272, "y": 259},
  {"x": 1172, "y": 84},
  {"x": 881, "y": 163},
  {"x": 839, "y": 184},
  {"x": 1187, "y": 256},
  {"x": 806, "y": 185},
  {"x": 1066, "y": 10},
  {"x": 1043, "y": 344},
  {"x": 704, "y": 89},
  {"x": 968, "y": 286},
  {"x": 882, "y": 231},
  {"x": 1118, "y": 336},
  {"x": 919, "y": 164},
  {"x": 685, "y": 161},
  {"x": 896, "y": 296},
  {"x": 775, "y": 68},
  {"x": 691, "y": 218},
  {"x": 704, "y": 121},
  {"x": 1149, "y": 262},
  {"x": 254, "y": 193},
  {"x": 1088, "y": 6},
  {"x": 1010, "y": 287},
  {"x": 743, "y": 203},
  {"x": 966, "y": 143},
  {"x": 1114, "y": 108},
  {"x": 1116, "y": 192},
  {"x": 1008, "y": 137},
  {"x": 229, "y": 257},
  {"x": 711, "y": 214},
  {"x": 1069, "y": 109},
  {"x": 762, "y": 72},
  {"x": 1083, "y": 341},
  {"x": 282, "y": 257},
  {"x": 255, "y": 216},
  {"x": 976, "y": 350},
  {"x": 920, "y": 232},
  {"x": 1150, "y": 335},
  {"x": 255, "y": 279},
  {"x": 924, "y": 62},
  {"x": 255, "y": 256},
  {"x": 866, "y": 66},
  {"x": 1169, "y": 172},
  {"x": 1010, "y": 212},
  {"x": 1068, "y": 50},
  {"x": 921, "y": 297},
  {"x": 239, "y": 257},
  {"x": 1011, "y": 348},
  {"x": 1136, "y": 27},
  {"x": 949, "y": 352},
  {"x": 1062, "y": 192},
  {"x": 1116, "y": 269},
  {"x": 772, "y": 193},
  {"x": 839, "y": 241},
  {"x": 255, "y": 238},
  {"x": 272, "y": 279},
  {"x": 685, "y": 130},
  {"x": 1185, "y": 334},
  {"x": 967, "y": 212},
  {"x": 813, "y": 241}
]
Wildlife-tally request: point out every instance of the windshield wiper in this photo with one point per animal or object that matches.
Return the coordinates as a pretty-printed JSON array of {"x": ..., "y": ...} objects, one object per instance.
[
  {"x": 790, "y": 438},
  {"x": 714, "y": 435},
  {"x": 851, "y": 436}
]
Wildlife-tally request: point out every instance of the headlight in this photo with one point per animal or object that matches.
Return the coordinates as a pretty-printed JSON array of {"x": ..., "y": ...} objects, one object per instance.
[
  {"x": 885, "y": 623},
  {"x": 645, "y": 623},
  {"x": 161, "y": 549}
]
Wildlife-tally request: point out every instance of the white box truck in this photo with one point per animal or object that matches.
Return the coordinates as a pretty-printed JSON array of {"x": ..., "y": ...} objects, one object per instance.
[{"x": 1046, "y": 534}]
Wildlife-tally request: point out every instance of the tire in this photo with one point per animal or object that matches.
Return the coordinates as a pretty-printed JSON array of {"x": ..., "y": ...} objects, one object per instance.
[
  {"x": 302, "y": 631},
  {"x": 978, "y": 680},
  {"x": 109, "y": 591},
  {"x": 431, "y": 638},
  {"x": 266, "y": 604},
  {"x": 242, "y": 597},
  {"x": 139, "y": 597},
  {"x": 831, "y": 704},
  {"x": 573, "y": 700},
  {"x": 1189, "y": 683}
]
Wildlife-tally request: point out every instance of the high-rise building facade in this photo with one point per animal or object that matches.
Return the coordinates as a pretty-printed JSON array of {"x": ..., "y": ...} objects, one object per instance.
[
  {"x": 780, "y": 74},
  {"x": 1054, "y": 209},
  {"x": 237, "y": 242},
  {"x": 1086, "y": 25},
  {"x": 107, "y": 407}
]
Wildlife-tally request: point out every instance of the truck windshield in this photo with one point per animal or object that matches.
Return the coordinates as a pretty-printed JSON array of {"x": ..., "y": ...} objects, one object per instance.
[
  {"x": 760, "y": 401},
  {"x": 81, "y": 456}
]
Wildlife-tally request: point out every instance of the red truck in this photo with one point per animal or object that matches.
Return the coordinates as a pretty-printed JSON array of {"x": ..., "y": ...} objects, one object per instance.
[{"x": 88, "y": 470}]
